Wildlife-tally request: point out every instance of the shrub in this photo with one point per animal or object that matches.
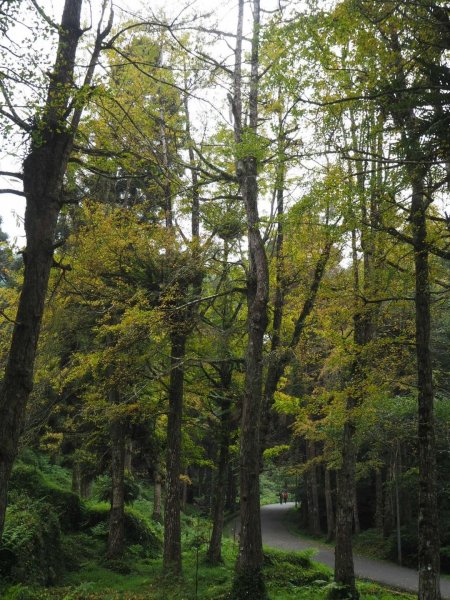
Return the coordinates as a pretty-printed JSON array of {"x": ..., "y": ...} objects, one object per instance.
[
  {"x": 31, "y": 546},
  {"x": 27, "y": 479},
  {"x": 104, "y": 487},
  {"x": 296, "y": 568},
  {"x": 137, "y": 529}
]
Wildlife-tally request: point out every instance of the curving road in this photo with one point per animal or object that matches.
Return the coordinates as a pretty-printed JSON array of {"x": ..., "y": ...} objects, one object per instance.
[{"x": 276, "y": 535}]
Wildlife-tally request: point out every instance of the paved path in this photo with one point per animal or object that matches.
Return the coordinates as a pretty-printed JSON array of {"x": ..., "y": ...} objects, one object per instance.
[{"x": 276, "y": 534}]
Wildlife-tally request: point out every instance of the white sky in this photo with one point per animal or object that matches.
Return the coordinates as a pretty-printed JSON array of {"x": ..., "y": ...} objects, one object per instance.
[{"x": 222, "y": 14}]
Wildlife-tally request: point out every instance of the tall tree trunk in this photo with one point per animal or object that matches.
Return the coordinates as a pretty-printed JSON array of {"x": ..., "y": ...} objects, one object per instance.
[
  {"x": 172, "y": 523},
  {"x": 248, "y": 582},
  {"x": 428, "y": 550},
  {"x": 43, "y": 176},
  {"x": 117, "y": 514},
  {"x": 329, "y": 506}
]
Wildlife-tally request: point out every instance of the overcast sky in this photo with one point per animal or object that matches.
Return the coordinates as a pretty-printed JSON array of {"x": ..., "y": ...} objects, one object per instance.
[{"x": 222, "y": 14}]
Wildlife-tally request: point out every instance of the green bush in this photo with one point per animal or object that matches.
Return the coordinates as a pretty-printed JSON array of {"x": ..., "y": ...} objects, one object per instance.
[
  {"x": 138, "y": 530},
  {"x": 23, "y": 592},
  {"x": 27, "y": 479},
  {"x": 103, "y": 489},
  {"x": 296, "y": 568},
  {"x": 31, "y": 545}
]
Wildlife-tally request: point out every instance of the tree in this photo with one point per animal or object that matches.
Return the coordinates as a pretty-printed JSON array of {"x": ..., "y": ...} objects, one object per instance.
[
  {"x": 248, "y": 582},
  {"x": 52, "y": 138}
]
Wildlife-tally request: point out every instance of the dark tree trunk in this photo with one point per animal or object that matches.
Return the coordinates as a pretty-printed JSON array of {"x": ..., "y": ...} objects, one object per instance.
[
  {"x": 379, "y": 512},
  {"x": 129, "y": 456},
  {"x": 343, "y": 570},
  {"x": 232, "y": 492},
  {"x": 329, "y": 506},
  {"x": 313, "y": 492},
  {"x": 76, "y": 478},
  {"x": 388, "y": 523},
  {"x": 248, "y": 582},
  {"x": 218, "y": 506},
  {"x": 43, "y": 175},
  {"x": 172, "y": 524},
  {"x": 157, "y": 496},
  {"x": 116, "y": 516},
  {"x": 428, "y": 550},
  {"x": 86, "y": 485},
  {"x": 356, "y": 525}
]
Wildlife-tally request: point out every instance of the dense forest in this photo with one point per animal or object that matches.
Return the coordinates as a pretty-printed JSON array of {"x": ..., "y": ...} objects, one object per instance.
[{"x": 235, "y": 282}]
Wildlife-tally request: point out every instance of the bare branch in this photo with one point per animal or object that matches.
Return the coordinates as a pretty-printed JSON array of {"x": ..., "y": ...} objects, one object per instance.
[{"x": 11, "y": 191}]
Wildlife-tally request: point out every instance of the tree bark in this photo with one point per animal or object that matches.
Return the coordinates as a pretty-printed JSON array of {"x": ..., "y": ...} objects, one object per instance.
[
  {"x": 313, "y": 493},
  {"x": 344, "y": 573},
  {"x": 86, "y": 485},
  {"x": 43, "y": 172},
  {"x": 218, "y": 506},
  {"x": 428, "y": 543},
  {"x": 157, "y": 496},
  {"x": 76, "y": 478},
  {"x": 379, "y": 512},
  {"x": 329, "y": 506},
  {"x": 117, "y": 514},
  {"x": 172, "y": 523},
  {"x": 129, "y": 456},
  {"x": 357, "y": 526}
]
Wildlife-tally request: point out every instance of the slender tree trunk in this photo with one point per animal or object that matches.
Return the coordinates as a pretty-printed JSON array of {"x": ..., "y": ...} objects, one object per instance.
[
  {"x": 218, "y": 506},
  {"x": 379, "y": 512},
  {"x": 172, "y": 524},
  {"x": 117, "y": 514},
  {"x": 357, "y": 526},
  {"x": 157, "y": 495},
  {"x": 129, "y": 456},
  {"x": 329, "y": 506},
  {"x": 76, "y": 478},
  {"x": 397, "y": 506},
  {"x": 313, "y": 495},
  {"x": 388, "y": 523},
  {"x": 231, "y": 502},
  {"x": 184, "y": 491}
]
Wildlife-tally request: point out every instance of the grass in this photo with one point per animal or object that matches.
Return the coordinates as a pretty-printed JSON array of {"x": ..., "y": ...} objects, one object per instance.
[{"x": 289, "y": 576}]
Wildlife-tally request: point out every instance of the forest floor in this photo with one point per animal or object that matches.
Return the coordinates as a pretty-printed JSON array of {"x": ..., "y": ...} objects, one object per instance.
[{"x": 277, "y": 534}]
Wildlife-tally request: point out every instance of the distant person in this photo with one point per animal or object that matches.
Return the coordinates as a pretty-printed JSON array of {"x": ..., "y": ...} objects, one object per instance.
[{"x": 285, "y": 496}]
